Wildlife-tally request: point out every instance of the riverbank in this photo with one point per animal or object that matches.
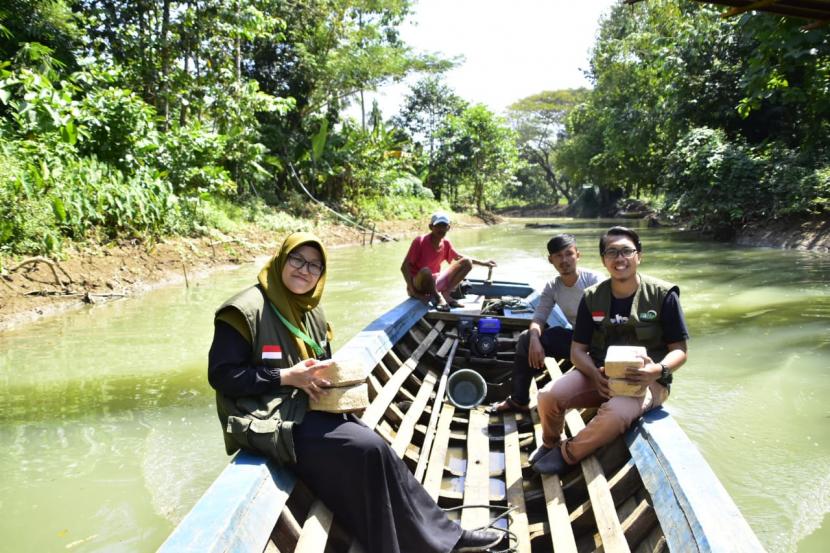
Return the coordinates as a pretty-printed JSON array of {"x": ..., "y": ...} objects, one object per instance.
[
  {"x": 38, "y": 287},
  {"x": 796, "y": 234}
]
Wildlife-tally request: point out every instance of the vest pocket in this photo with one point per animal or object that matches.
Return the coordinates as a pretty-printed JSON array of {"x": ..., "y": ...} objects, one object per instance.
[
  {"x": 264, "y": 424},
  {"x": 647, "y": 332}
]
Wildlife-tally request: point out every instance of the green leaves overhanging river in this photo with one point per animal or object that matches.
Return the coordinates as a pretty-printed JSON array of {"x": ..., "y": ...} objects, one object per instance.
[{"x": 110, "y": 436}]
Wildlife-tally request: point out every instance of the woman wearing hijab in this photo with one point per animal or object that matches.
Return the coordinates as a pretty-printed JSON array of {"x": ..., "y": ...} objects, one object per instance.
[{"x": 263, "y": 363}]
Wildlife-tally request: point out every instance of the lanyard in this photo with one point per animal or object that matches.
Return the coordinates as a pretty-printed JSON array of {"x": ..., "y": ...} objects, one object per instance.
[{"x": 299, "y": 333}]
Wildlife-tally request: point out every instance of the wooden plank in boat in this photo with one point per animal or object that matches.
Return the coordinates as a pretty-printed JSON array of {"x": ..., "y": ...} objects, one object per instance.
[
  {"x": 429, "y": 435},
  {"x": 315, "y": 529},
  {"x": 438, "y": 455},
  {"x": 694, "y": 510},
  {"x": 561, "y": 533},
  {"x": 477, "y": 477},
  {"x": 375, "y": 411},
  {"x": 407, "y": 427},
  {"x": 445, "y": 347},
  {"x": 605, "y": 513},
  {"x": 639, "y": 523},
  {"x": 513, "y": 480}
]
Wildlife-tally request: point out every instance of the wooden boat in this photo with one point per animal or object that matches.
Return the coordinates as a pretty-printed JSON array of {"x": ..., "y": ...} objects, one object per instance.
[{"x": 648, "y": 491}]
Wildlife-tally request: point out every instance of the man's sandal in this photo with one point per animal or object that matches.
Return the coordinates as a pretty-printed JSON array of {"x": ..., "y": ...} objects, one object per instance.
[{"x": 508, "y": 406}]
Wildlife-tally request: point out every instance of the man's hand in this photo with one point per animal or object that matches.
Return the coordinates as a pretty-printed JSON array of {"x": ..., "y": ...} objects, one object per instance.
[
  {"x": 413, "y": 293},
  {"x": 303, "y": 375},
  {"x": 488, "y": 263},
  {"x": 645, "y": 375},
  {"x": 535, "y": 353},
  {"x": 601, "y": 382}
]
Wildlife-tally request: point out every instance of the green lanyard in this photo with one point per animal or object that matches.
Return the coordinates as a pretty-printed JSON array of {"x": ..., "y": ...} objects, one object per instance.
[{"x": 299, "y": 333}]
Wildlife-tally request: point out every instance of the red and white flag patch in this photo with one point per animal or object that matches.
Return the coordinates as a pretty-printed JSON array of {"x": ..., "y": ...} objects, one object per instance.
[
  {"x": 598, "y": 316},
  {"x": 271, "y": 352}
]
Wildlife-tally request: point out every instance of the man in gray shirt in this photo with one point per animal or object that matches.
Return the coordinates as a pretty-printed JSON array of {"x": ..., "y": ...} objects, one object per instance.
[{"x": 537, "y": 342}]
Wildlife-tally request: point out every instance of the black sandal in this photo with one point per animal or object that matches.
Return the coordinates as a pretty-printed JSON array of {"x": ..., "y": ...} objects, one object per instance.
[{"x": 508, "y": 406}]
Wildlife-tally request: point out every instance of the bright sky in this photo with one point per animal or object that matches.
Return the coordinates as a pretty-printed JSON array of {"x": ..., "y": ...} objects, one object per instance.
[{"x": 512, "y": 48}]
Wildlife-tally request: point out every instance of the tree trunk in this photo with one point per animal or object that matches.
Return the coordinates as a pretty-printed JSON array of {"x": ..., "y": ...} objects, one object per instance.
[
  {"x": 165, "y": 64},
  {"x": 541, "y": 160}
]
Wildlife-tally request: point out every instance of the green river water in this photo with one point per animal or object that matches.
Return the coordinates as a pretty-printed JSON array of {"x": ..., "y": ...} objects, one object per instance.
[{"x": 109, "y": 434}]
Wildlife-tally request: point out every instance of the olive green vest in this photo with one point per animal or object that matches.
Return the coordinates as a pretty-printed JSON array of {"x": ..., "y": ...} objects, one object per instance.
[
  {"x": 264, "y": 423},
  {"x": 644, "y": 326}
]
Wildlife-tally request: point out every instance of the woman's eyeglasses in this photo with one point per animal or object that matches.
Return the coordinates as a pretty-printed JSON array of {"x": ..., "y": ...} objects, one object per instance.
[
  {"x": 298, "y": 262},
  {"x": 613, "y": 253}
]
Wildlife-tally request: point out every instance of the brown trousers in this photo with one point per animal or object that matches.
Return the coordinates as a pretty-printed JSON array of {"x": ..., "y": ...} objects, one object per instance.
[{"x": 575, "y": 390}]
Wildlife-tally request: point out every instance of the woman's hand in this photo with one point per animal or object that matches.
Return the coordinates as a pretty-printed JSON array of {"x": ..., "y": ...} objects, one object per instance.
[{"x": 303, "y": 375}]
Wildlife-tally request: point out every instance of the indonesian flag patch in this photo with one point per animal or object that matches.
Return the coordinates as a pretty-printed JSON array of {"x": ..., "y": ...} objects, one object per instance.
[
  {"x": 271, "y": 352},
  {"x": 598, "y": 316}
]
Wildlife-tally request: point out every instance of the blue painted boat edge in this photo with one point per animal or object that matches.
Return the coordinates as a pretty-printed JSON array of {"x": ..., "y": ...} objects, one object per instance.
[
  {"x": 240, "y": 508},
  {"x": 694, "y": 509}
]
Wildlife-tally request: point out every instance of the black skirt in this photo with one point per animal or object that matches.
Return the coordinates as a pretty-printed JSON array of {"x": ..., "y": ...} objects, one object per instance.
[{"x": 368, "y": 488}]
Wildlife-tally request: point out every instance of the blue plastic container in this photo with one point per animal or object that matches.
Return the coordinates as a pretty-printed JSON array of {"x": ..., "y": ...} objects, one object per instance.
[{"x": 489, "y": 325}]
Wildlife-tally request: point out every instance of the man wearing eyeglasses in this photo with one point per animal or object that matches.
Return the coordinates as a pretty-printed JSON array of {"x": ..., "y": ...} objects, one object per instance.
[
  {"x": 629, "y": 308},
  {"x": 421, "y": 267}
]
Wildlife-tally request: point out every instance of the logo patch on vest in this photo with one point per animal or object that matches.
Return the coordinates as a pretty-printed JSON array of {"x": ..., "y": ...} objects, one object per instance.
[
  {"x": 650, "y": 315},
  {"x": 598, "y": 316},
  {"x": 271, "y": 352}
]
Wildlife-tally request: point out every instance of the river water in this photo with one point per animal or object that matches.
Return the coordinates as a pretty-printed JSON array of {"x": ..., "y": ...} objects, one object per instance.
[{"x": 109, "y": 433}]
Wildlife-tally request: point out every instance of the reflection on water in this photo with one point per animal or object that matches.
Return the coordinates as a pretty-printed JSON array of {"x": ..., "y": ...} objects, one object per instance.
[{"x": 110, "y": 434}]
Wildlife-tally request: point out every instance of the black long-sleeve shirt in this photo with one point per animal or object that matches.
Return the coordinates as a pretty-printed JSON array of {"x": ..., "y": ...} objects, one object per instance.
[{"x": 230, "y": 370}]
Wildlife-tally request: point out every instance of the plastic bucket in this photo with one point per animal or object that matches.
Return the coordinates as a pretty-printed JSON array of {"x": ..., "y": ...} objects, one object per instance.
[{"x": 466, "y": 388}]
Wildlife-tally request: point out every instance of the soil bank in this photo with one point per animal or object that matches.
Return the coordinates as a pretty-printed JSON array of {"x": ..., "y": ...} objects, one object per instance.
[{"x": 91, "y": 273}]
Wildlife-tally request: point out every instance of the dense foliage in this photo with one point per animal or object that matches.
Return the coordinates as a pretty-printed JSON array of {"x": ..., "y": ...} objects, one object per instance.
[
  {"x": 726, "y": 120},
  {"x": 139, "y": 119}
]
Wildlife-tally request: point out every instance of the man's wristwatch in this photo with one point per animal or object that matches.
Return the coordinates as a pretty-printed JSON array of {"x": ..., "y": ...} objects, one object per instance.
[{"x": 665, "y": 373}]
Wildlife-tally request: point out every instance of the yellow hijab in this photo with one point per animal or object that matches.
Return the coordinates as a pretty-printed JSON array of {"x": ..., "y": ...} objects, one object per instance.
[{"x": 290, "y": 305}]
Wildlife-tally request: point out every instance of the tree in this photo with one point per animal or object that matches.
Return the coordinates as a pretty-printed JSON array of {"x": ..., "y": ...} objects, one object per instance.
[
  {"x": 478, "y": 154},
  {"x": 425, "y": 110},
  {"x": 539, "y": 121},
  {"x": 333, "y": 50}
]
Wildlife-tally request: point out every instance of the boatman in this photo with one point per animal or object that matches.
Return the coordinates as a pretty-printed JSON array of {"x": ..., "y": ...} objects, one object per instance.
[
  {"x": 627, "y": 309},
  {"x": 421, "y": 267},
  {"x": 537, "y": 342}
]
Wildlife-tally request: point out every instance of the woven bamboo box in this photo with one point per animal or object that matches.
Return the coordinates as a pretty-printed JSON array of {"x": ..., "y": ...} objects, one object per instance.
[
  {"x": 343, "y": 400},
  {"x": 617, "y": 360},
  {"x": 348, "y": 392}
]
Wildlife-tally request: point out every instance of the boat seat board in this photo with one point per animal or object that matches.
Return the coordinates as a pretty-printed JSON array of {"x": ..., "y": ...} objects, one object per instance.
[
  {"x": 559, "y": 521},
  {"x": 438, "y": 454},
  {"x": 513, "y": 481},
  {"x": 605, "y": 513},
  {"x": 377, "y": 408},
  {"x": 435, "y": 410},
  {"x": 477, "y": 475}
]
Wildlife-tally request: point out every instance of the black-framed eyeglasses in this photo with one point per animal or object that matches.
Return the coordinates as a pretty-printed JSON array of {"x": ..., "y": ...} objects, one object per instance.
[
  {"x": 613, "y": 253},
  {"x": 298, "y": 262}
]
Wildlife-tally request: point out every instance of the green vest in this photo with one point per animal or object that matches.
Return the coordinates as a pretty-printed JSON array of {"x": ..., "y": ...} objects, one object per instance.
[
  {"x": 264, "y": 423},
  {"x": 644, "y": 326}
]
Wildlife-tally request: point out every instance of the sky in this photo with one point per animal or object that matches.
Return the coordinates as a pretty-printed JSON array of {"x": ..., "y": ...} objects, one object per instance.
[{"x": 512, "y": 48}]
